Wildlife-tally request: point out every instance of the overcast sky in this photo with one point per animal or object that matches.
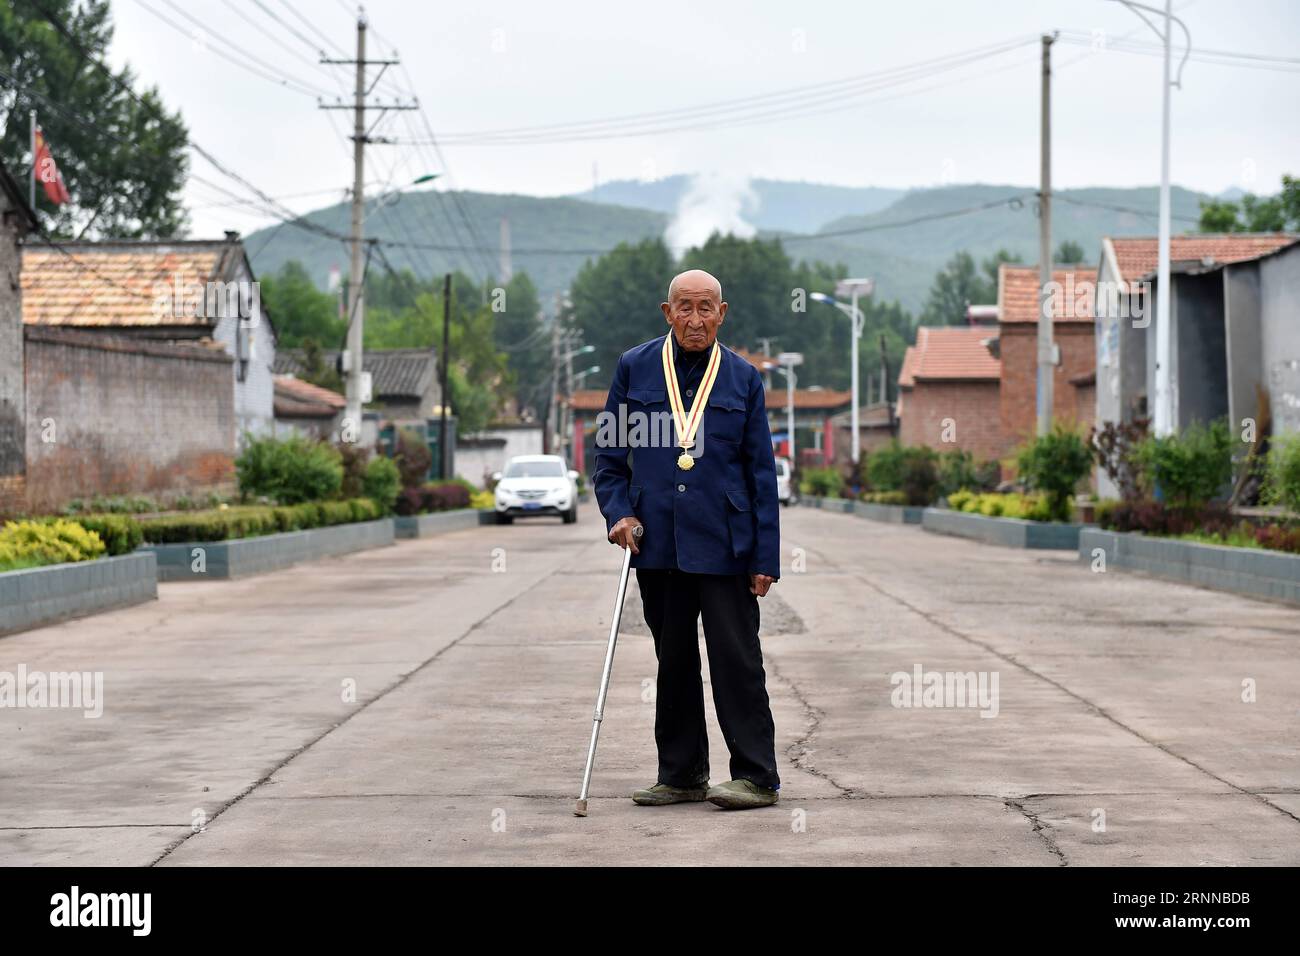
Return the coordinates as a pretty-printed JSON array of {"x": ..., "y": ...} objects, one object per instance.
[{"x": 490, "y": 66}]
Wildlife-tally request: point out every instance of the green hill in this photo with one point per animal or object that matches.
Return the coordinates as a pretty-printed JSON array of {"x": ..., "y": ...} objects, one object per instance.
[{"x": 902, "y": 258}]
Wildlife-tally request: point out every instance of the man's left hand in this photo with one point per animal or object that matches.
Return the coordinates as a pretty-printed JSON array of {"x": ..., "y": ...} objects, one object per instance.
[{"x": 759, "y": 584}]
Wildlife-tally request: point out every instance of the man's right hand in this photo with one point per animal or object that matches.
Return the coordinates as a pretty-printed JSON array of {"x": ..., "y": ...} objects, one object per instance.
[{"x": 622, "y": 533}]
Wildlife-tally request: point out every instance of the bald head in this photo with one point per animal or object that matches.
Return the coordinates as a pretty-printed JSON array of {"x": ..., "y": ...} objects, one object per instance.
[
  {"x": 694, "y": 309},
  {"x": 695, "y": 279}
]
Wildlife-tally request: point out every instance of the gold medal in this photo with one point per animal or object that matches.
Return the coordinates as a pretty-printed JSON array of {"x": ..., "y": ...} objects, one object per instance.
[{"x": 687, "y": 426}]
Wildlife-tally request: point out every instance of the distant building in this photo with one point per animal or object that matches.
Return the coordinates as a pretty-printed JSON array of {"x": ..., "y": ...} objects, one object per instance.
[
  {"x": 404, "y": 382},
  {"x": 1233, "y": 330},
  {"x": 948, "y": 392},
  {"x": 165, "y": 290},
  {"x": 1073, "y": 391},
  {"x": 305, "y": 409}
]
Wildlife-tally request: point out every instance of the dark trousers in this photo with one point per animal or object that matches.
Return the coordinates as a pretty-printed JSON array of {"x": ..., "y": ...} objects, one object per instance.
[{"x": 673, "y": 601}]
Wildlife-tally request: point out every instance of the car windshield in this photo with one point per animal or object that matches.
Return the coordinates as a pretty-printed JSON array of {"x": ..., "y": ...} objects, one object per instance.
[{"x": 535, "y": 469}]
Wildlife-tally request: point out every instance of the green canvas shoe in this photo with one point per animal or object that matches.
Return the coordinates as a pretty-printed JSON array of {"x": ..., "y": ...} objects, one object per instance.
[
  {"x": 661, "y": 794},
  {"x": 740, "y": 795}
]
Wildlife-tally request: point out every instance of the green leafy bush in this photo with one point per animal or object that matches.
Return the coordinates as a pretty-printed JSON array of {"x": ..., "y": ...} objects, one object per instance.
[
  {"x": 413, "y": 458},
  {"x": 1282, "y": 486},
  {"x": 912, "y": 470},
  {"x": 822, "y": 482},
  {"x": 958, "y": 469},
  {"x": 120, "y": 534},
  {"x": 247, "y": 521},
  {"x": 33, "y": 543},
  {"x": 1054, "y": 464},
  {"x": 1189, "y": 469},
  {"x": 289, "y": 470},
  {"x": 884, "y": 467},
  {"x": 1033, "y": 507},
  {"x": 885, "y": 497},
  {"x": 382, "y": 482}
]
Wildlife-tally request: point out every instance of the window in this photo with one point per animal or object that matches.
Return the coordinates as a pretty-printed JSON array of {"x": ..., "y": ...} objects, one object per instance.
[{"x": 535, "y": 469}]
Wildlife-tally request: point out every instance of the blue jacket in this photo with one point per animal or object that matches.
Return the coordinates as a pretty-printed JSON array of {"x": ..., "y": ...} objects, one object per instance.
[{"x": 721, "y": 516}]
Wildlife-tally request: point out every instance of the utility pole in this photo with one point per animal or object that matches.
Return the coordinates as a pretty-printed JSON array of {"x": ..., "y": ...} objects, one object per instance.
[
  {"x": 505, "y": 265},
  {"x": 1046, "y": 345},
  {"x": 1166, "y": 400},
  {"x": 445, "y": 399},
  {"x": 356, "y": 278}
]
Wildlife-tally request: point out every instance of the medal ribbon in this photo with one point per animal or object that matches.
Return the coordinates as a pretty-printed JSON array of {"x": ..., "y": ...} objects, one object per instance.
[{"x": 686, "y": 425}]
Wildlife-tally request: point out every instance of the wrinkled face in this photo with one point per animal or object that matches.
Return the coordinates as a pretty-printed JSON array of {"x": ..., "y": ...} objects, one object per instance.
[{"x": 695, "y": 309}]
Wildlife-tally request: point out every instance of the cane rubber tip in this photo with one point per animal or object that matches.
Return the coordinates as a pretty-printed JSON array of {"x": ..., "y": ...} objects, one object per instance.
[{"x": 581, "y": 809}]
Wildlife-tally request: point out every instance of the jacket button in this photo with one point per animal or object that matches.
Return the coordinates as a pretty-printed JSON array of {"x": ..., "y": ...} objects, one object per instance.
[
  {"x": 681, "y": 487},
  {"x": 690, "y": 392}
]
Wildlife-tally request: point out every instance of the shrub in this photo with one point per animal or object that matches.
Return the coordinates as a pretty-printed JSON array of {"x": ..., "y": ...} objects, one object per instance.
[
  {"x": 1054, "y": 464},
  {"x": 289, "y": 470},
  {"x": 482, "y": 500},
  {"x": 958, "y": 469},
  {"x": 822, "y": 482},
  {"x": 958, "y": 500},
  {"x": 885, "y": 497},
  {"x": 382, "y": 482},
  {"x": 884, "y": 467},
  {"x": 120, "y": 534},
  {"x": 1161, "y": 518},
  {"x": 413, "y": 458},
  {"x": 446, "y": 496},
  {"x": 31, "y": 543},
  {"x": 920, "y": 482},
  {"x": 1115, "y": 448},
  {"x": 252, "y": 520},
  {"x": 1189, "y": 469},
  {"x": 1283, "y": 483},
  {"x": 355, "y": 460}
]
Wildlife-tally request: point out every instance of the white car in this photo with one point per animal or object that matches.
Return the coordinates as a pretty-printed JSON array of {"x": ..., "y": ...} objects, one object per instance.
[
  {"x": 784, "y": 491},
  {"x": 535, "y": 485}
]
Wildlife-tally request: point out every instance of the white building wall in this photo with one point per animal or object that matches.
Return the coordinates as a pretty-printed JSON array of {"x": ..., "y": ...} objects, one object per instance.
[{"x": 255, "y": 395}]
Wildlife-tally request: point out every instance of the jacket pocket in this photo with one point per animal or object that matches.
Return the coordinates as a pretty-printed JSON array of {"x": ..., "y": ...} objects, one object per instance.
[
  {"x": 646, "y": 395},
  {"x": 724, "y": 419},
  {"x": 740, "y": 521}
]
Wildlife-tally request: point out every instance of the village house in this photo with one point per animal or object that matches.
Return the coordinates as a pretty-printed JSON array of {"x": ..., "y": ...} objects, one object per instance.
[
  {"x": 1073, "y": 386},
  {"x": 166, "y": 290},
  {"x": 948, "y": 392},
  {"x": 1234, "y": 335},
  {"x": 302, "y": 408},
  {"x": 404, "y": 382}
]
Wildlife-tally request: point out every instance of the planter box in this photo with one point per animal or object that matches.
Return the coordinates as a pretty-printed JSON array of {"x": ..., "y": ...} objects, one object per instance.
[
  {"x": 894, "y": 514},
  {"x": 827, "y": 504},
  {"x": 426, "y": 526},
  {"x": 1269, "y": 574},
  {"x": 242, "y": 557},
  {"x": 1007, "y": 532},
  {"x": 37, "y": 596}
]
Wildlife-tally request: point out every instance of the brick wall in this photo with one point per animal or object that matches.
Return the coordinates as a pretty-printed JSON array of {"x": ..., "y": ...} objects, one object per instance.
[
  {"x": 973, "y": 408},
  {"x": 109, "y": 415},
  {"x": 11, "y": 365},
  {"x": 1019, "y": 397}
]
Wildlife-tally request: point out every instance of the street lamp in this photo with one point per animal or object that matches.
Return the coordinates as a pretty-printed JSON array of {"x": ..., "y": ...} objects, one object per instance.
[
  {"x": 788, "y": 360},
  {"x": 1164, "y": 396},
  {"x": 580, "y": 376},
  {"x": 852, "y": 288}
]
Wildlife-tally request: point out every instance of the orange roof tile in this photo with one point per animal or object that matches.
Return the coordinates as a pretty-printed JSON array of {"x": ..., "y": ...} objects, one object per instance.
[
  {"x": 949, "y": 353},
  {"x": 291, "y": 385},
  {"x": 119, "y": 284},
  {"x": 1137, "y": 256},
  {"x": 1072, "y": 298}
]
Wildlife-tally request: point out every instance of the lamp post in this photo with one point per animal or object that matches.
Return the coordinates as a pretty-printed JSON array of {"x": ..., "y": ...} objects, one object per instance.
[
  {"x": 1164, "y": 399},
  {"x": 852, "y": 288},
  {"x": 788, "y": 360}
]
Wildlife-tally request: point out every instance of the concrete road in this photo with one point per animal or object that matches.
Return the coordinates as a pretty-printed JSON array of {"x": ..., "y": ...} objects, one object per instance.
[{"x": 431, "y": 703}]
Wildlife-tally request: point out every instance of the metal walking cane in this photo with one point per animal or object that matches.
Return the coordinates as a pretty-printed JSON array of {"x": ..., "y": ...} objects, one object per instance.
[{"x": 581, "y": 809}]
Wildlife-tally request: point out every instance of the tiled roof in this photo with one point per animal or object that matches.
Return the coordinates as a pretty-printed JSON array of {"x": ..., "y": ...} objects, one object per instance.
[
  {"x": 119, "y": 284},
  {"x": 589, "y": 399},
  {"x": 295, "y": 398},
  {"x": 395, "y": 373},
  {"x": 1072, "y": 296},
  {"x": 1138, "y": 257},
  {"x": 949, "y": 353}
]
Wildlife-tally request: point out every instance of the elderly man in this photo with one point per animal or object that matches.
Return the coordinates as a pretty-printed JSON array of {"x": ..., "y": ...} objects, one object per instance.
[{"x": 711, "y": 544}]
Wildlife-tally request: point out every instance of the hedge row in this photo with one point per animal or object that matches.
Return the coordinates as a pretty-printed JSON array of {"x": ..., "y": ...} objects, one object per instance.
[{"x": 252, "y": 520}]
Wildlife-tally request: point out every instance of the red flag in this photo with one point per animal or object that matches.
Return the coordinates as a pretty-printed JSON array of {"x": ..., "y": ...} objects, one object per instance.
[{"x": 47, "y": 171}]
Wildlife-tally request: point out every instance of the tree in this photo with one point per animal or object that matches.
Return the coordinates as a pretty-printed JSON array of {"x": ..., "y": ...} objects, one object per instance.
[
  {"x": 959, "y": 284},
  {"x": 300, "y": 310},
  {"x": 122, "y": 158},
  {"x": 1069, "y": 252},
  {"x": 1280, "y": 213}
]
